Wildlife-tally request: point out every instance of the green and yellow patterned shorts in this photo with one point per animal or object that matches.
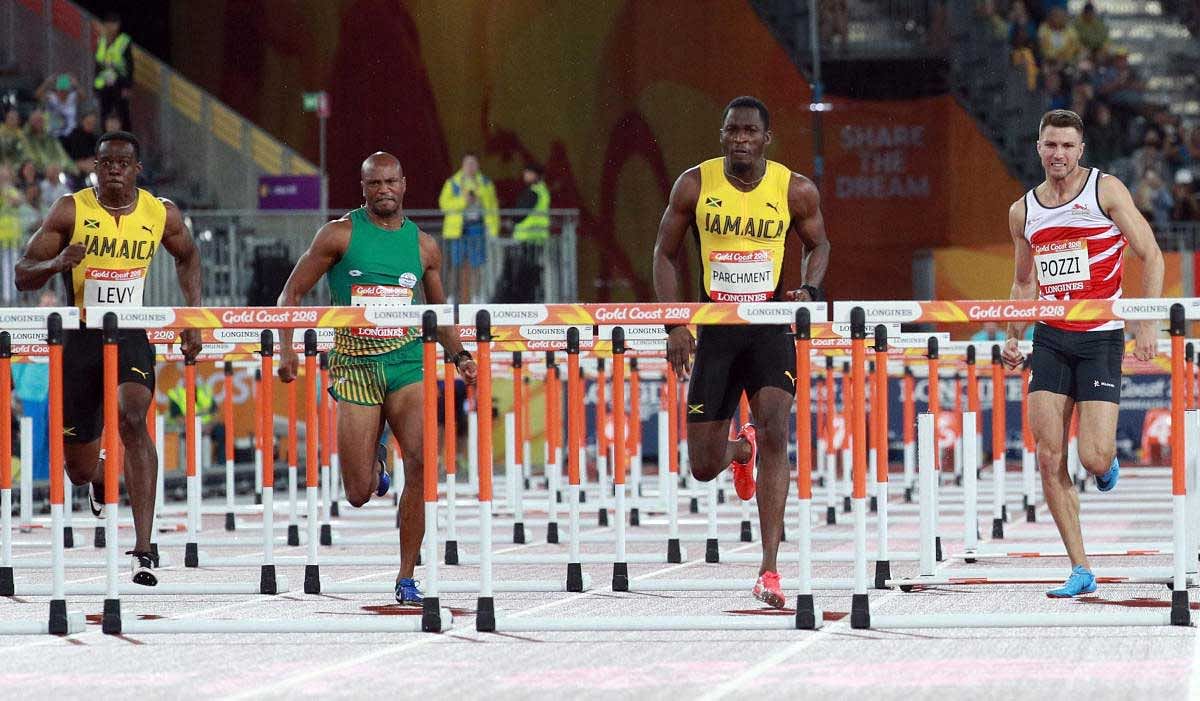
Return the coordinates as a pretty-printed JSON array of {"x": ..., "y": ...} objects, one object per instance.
[{"x": 367, "y": 379}]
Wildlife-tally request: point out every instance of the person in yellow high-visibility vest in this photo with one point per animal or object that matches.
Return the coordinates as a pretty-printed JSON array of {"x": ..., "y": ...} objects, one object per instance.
[
  {"x": 114, "y": 69},
  {"x": 471, "y": 209},
  {"x": 521, "y": 280}
]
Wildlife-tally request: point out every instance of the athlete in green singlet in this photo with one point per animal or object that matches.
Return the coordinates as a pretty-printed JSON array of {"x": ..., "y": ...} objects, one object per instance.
[{"x": 377, "y": 256}]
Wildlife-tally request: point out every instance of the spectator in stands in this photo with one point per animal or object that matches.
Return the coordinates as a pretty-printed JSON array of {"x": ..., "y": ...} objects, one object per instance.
[
  {"x": 26, "y": 174},
  {"x": 834, "y": 23},
  {"x": 1105, "y": 139},
  {"x": 1119, "y": 84},
  {"x": 1056, "y": 90},
  {"x": 1153, "y": 199},
  {"x": 1149, "y": 157},
  {"x": 521, "y": 279},
  {"x": 59, "y": 98},
  {"x": 1057, "y": 39},
  {"x": 1185, "y": 202},
  {"x": 29, "y": 211},
  {"x": 43, "y": 147},
  {"x": 472, "y": 215},
  {"x": 12, "y": 139},
  {"x": 1024, "y": 57},
  {"x": 114, "y": 69},
  {"x": 80, "y": 144},
  {"x": 1018, "y": 20},
  {"x": 992, "y": 18},
  {"x": 54, "y": 186},
  {"x": 1091, "y": 30}
]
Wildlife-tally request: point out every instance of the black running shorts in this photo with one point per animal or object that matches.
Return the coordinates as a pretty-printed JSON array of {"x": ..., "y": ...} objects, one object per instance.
[
  {"x": 83, "y": 377},
  {"x": 733, "y": 359},
  {"x": 1083, "y": 365}
]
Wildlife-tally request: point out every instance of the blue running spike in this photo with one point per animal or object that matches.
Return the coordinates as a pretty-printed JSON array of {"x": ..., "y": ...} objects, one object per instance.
[
  {"x": 1081, "y": 581},
  {"x": 1109, "y": 480},
  {"x": 385, "y": 480},
  {"x": 407, "y": 593}
]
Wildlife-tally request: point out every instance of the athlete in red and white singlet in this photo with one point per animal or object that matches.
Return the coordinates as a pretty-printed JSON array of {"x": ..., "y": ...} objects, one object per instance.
[
  {"x": 1069, "y": 234},
  {"x": 1076, "y": 250}
]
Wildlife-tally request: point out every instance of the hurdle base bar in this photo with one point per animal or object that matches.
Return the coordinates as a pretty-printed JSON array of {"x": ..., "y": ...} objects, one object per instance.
[
  {"x": 293, "y": 534},
  {"x": 519, "y": 532},
  {"x": 883, "y": 572},
  {"x": 76, "y": 623},
  {"x": 161, "y": 589},
  {"x": 1152, "y": 617},
  {"x": 267, "y": 583},
  {"x": 451, "y": 552},
  {"x": 98, "y": 537},
  {"x": 110, "y": 620},
  {"x": 860, "y": 612},
  {"x": 544, "y": 558},
  {"x": 673, "y": 555},
  {"x": 711, "y": 585},
  {"x": 326, "y": 534},
  {"x": 7, "y": 587},
  {"x": 230, "y": 521},
  {"x": 712, "y": 550},
  {"x": 366, "y": 624},
  {"x": 191, "y": 555},
  {"x": 746, "y": 535},
  {"x": 458, "y": 586},
  {"x": 574, "y": 577},
  {"x": 552, "y": 532},
  {"x": 620, "y": 578},
  {"x": 513, "y": 624}
]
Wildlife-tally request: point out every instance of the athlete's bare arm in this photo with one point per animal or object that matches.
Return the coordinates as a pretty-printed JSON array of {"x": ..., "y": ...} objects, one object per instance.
[
  {"x": 48, "y": 252},
  {"x": 179, "y": 243},
  {"x": 1024, "y": 284},
  {"x": 804, "y": 201},
  {"x": 435, "y": 293},
  {"x": 327, "y": 248},
  {"x": 1116, "y": 202},
  {"x": 668, "y": 247}
]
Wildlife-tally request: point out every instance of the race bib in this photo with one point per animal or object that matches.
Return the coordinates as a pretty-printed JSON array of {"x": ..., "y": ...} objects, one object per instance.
[
  {"x": 1062, "y": 266},
  {"x": 741, "y": 276},
  {"x": 381, "y": 296},
  {"x": 113, "y": 288}
]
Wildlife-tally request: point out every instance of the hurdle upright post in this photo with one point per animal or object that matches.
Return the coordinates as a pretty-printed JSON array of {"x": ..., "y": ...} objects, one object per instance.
[
  {"x": 553, "y": 468},
  {"x": 930, "y": 498},
  {"x": 620, "y": 578},
  {"x": 909, "y": 431},
  {"x": 58, "y": 623},
  {"x": 1180, "y": 613},
  {"x": 110, "y": 621},
  {"x": 674, "y": 555},
  {"x": 518, "y": 448},
  {"x": 227, "y": 411},
  {"x": 191, "y": 549},
  {"x": 806, "y": 612},
  {"x": 574, "y": 425},
  {"x": 1028, "y": 456},
  {"x": 431, "y": 618},
  {"x": 450, "y": 457},
  {"x": 999, "y": 464},
  {"x": 323, "y": 424},
  {"x": 971, "y": 460},
  {"x": 485, "y": 606},
  {"x": 832, "y": 449},
  {"x": 312, "y": 480},
  {"x": 879, "y": 413},
  {"x": 267, "y": 581},
  {"x": 860, "y": 611},
  {"x": 293, "y": 529},
  {"x": 7, "y": 586},
  {"x": 602, "y": 481}
]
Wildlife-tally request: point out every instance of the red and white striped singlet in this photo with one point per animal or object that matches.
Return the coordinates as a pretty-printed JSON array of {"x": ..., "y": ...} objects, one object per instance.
[{"x": 1076, "y": 251}]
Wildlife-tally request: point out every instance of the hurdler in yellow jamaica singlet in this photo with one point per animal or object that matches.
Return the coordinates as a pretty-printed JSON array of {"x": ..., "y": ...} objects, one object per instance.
[
  {"x": 742, "y": 234},
  {"x": 116, "y": 255}
]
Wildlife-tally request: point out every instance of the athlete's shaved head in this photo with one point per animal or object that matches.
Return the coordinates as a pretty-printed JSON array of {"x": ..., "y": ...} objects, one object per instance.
[{"x": 383, "y": 184}]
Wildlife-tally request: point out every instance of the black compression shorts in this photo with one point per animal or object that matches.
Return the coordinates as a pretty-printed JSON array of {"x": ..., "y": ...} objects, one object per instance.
[
  {"x": 83, "y": 377},
  {"x": 733, "y": 359},
  {"x": 1083, "y": 365}
]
